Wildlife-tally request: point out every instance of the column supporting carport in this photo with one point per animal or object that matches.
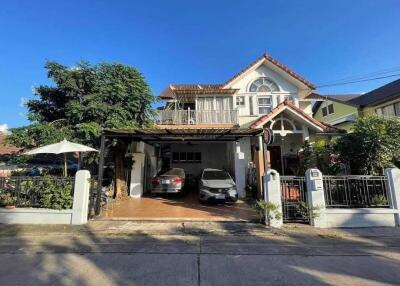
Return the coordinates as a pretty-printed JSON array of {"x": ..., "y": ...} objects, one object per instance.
[{"x": 259, "y": 161}]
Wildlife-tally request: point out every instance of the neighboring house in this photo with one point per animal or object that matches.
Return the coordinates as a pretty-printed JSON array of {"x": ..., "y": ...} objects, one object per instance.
[
  {"x": 342, "y": 110},
  {"x": 335, "y": 110}
]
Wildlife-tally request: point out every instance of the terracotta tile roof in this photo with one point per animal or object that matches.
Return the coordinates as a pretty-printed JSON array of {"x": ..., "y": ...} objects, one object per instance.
[
  {"x": 287, "y": 104},
  {"x": 276, "y": 63},
  {"x": 173, "y": 89},
  {"x": 6, "y": 149}
]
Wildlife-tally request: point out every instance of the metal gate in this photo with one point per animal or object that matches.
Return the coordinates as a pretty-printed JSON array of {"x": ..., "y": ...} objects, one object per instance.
[{"x": 294, "y": 199}]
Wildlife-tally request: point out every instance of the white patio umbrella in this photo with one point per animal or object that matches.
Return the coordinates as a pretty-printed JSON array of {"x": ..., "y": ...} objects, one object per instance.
[{"x": 59, "y": 148}]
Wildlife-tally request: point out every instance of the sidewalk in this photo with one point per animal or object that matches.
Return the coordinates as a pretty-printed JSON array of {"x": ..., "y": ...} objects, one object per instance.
[
  {"x": 134, "y": 253},
  {"x": 104, "y": 227}
]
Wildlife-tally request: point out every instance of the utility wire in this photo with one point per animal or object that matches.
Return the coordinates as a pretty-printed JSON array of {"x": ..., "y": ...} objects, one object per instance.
[
  {"x": 364, "y": 76},
  {"x": 355, "y": 81}
]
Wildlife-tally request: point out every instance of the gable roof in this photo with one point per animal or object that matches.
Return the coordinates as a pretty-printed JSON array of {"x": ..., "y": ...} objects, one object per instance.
[
  {"x": 378, "y": 95},
  {"x": 221, "y": 88},
  {"x": 267, "y": 57},
  {"x": 287, "y": 105},
  {"x": 340, "y": 98}
]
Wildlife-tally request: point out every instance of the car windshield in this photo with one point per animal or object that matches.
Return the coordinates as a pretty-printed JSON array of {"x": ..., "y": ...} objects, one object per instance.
[
  {"x": 215, "y": 175},
  {"x": 172, "y": 172}
]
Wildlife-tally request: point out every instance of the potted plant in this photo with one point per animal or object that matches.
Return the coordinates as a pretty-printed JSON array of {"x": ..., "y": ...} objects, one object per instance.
[{"x": 8, "y": 200}]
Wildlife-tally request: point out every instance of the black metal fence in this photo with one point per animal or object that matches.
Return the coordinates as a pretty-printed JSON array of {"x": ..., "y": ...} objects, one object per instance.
[
  {"x": 37, "y": 192},
  {"x": 294, "y": 199},
  {"x": 356, "y": 191}
]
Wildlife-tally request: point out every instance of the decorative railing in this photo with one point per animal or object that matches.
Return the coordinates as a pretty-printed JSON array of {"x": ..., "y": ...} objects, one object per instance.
[
  {"x": 356, "y": 191},
  {"x": 37, "y": 192},
  {"x": 197, "y": 117}
]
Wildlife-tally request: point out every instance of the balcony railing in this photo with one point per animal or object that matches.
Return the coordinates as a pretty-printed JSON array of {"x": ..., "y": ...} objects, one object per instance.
[{"x": 197, "y": 117}]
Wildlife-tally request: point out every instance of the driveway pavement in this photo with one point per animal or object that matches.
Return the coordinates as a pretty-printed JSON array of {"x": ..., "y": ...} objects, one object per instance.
[
  {"x": 186, "y": 208},
  {"x": 197, "y": 254}
]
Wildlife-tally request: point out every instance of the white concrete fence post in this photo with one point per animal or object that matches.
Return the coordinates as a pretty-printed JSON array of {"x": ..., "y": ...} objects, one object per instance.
[
  {"x": 316, "y": 197},
  {"x": 393, "y": 176},
  {"x": 272, "y": 194},
  {"x": 240, "y": 170},
  {"x": 81, "y": 197}
]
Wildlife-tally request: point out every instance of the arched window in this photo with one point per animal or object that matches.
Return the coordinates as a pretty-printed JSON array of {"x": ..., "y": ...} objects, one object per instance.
[
  {"x": 283, "y": 124},
  {"x": 263, "y": 84}
]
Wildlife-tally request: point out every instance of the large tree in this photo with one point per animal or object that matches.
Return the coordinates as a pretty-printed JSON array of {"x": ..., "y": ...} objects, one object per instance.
[
  {"x": 82, "y": 100},
  {"x": 373, "y": 145}
]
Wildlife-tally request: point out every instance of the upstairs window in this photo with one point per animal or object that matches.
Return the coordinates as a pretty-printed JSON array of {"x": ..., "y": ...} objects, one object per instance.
[
  {"x": 327, "y": 110},
  {"x": 389, "y": 110},
  {"x": 289, "y": 98},
  {"x": 240, "y": 101},
  {"x": 264, "y": 104},
  {"x": 263, "y": 84},
  {"x": 397, "y": 108}
]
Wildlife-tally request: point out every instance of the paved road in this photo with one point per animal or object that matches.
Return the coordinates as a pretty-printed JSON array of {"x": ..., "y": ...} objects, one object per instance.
[{"x": 290, "y": 258}]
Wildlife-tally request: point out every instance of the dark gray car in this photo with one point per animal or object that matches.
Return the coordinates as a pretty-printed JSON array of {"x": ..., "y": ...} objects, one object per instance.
[{"x": 170, "y": 181}]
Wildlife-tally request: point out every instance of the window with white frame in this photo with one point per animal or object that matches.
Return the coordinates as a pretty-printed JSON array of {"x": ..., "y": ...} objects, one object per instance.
[
  {"x": 263, "y": 84},
  {"x": 288, "y": 97},
  {"x": 327, "y": 110},
  {"x": 240, "y": 101},
  {"x": 264, "y": 104}
]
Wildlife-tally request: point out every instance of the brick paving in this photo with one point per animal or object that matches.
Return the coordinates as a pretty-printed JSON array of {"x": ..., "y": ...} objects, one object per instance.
[{"x": 178, "y": 208}]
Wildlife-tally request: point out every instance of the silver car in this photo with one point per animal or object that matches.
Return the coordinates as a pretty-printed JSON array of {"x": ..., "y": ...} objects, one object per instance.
[
  {"x": 170, "y": 181},
  {"x": 217, "y": 185}
]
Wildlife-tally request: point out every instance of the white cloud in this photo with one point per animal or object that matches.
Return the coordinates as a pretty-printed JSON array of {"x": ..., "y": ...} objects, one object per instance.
[
  {"x": 3, "y": 128},
  {"x": 22, "y": 101}
]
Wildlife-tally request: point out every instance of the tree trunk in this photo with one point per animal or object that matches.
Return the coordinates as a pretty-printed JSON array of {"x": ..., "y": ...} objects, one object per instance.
[{"x": 120, "y": 183}]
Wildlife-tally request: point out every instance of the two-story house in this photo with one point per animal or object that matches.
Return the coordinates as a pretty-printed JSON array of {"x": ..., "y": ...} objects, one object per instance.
[
  {"x": 220, "y": 126},
  {"x": 342, "y": 111}
]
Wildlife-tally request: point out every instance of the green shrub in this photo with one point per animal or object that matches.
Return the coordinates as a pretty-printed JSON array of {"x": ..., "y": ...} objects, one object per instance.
[
  {"x": 379, "y": 200},
  {"x": 308, "y": 211},
  {"x": 267, "y": 211},
  {"x": 6, "y": 199},
  {"x": 50, "y": 193}
]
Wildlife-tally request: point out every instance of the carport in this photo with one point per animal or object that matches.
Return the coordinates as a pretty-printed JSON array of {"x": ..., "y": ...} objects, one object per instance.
[{"x": 189, "y": 148}]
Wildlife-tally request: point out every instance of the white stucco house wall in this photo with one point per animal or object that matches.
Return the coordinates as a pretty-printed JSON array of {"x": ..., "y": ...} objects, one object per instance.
[{"x": 265, "y": 94}]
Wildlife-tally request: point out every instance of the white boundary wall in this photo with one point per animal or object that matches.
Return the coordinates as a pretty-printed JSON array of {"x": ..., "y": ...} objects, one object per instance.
[
  {"x": 355, "y": 217},
  {"x": 77, "y": 215},
  {"x": 35, "y": 216}
]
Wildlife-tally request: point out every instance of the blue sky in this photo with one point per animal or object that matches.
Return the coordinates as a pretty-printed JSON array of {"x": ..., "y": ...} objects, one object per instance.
[{"x": 195, "y": 41}]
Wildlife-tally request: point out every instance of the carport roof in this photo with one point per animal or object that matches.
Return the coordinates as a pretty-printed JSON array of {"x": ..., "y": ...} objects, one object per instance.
[{"x": 184, "y": 134}]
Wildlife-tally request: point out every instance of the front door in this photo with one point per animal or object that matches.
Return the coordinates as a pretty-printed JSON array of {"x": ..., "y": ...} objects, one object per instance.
[{"x": 275, "y": 158}]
